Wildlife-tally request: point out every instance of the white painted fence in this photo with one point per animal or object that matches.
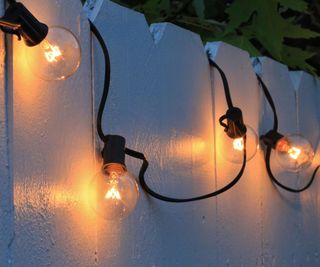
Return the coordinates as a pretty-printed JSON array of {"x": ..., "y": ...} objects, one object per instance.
[{"x": 165, "y": 100}]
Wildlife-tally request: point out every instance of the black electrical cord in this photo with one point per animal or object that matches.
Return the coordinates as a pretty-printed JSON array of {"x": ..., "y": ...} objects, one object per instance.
[
  {"x": 156, "y": 195},
  {"x": 270, "y": 101},
  {"x": 269, "y": 145},
  {"x": 106, "y": 81},
  {"x": 145, "y": 163},
  {"x": 140, "y": 155},
  {"x": 224, "y": 81}
]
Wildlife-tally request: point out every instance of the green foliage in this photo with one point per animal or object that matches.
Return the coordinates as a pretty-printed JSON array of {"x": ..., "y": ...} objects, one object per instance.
[
  {"x": 286, "y": 30},
  {"x": 263, "y": 22}
]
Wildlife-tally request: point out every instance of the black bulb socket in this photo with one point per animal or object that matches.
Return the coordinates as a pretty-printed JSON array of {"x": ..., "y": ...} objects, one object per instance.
[
  {"x": 19, "y": 20},
  {"x": 271, "y": 138},
  {"x": 114, "y": 150},
  {"x": 234, "y": 127}
]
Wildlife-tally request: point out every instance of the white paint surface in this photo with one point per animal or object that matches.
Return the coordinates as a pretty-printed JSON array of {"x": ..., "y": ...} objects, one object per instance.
[
  {"x": 165, "y": 100},
  {"x": 161, "y": 101},
  {"x": 289, "y": 234},
  {"x": 53, "y": 152},
  {"x": 6, "y": 201}
]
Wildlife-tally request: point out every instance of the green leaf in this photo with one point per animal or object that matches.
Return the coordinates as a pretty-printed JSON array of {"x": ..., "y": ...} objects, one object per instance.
[
  {"x": 242, "y": 42},
  {"x": 297, "y": 5},
  {"x": 295, "y": 31},
  {"x": 296, "y": 58},
  {"x": 267, "y": 26},
  {"x": 239, "y": 12}
]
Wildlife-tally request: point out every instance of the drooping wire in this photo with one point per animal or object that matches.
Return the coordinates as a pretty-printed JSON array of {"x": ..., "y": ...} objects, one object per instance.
[
  {"x": 140, "y": 155},
  {"x": 269, "y": 146},
  {"x": 276, "y": 181},
  {"x": 145, "y": 163},
  {"x": 156, "y": 195},
  {"x": 106, "y": 81}
]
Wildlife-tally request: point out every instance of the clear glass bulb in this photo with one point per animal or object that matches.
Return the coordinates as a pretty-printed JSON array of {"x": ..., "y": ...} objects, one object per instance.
[
  {"x": 116, "y": 192},
  {"x": 294, "y": 152},
  {"x": 232, "y": 149},
  {"x": 57, "y": 57}
]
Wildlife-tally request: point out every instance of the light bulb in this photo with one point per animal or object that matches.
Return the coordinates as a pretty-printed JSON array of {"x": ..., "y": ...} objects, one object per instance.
[
  {"x": 231, "y": 149},
  {"x": 116, "y": 192},
  {"x": 238, "y": 144},
  {"x": 57, "y": 57},
  {"x": 294, "y": 152}
]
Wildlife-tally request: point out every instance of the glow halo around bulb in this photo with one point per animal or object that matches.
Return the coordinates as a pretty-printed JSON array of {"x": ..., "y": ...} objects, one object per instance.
[
  {"x": 232, "y": 149},
  {"x": 116, "y": 193},
  {"x": 57, "y": 57},
  {"x": 294, "y": 152}
]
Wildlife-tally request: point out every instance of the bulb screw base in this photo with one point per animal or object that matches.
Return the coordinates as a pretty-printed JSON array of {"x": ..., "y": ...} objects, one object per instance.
[
  {"x": 114, "y": 150},
  {"x": 235, "y": 127},
  {"x": 271, "y": 138}
]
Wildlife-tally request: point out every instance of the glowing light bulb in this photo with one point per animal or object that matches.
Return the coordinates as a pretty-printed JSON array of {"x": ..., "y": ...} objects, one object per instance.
[
  {"x": 57, "y": 57},
  {"x": 113, "y": 193},
  {"x": 238, "y": 144},
  {"x": 51, "y": 52},
  {"x": 294, "y": 153},
  {"x": 232, "y": 149},
  {"x": 117, "y": 192}
]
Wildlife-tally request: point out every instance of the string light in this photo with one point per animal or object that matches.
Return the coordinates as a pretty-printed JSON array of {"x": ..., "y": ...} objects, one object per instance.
[
  {"x": 57, "y": 54},
  {"x": 116, "y": 190},
  {"x": 231, "y": 149},
  {"x": 52, "y": 53},
  {"x": 238, "y": 144},
  {"x": 293, "y": 152},
  {"x": 57, "y": 57},
  {"x": 114, "y": 151}
]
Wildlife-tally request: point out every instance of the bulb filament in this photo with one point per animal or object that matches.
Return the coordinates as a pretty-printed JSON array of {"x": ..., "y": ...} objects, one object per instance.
[
  {"x": 238, "y": 144},
  {"x": 294, "y": 152},
  {"x": 113, "y": 194},
  {"x": 52, "y": 52}
]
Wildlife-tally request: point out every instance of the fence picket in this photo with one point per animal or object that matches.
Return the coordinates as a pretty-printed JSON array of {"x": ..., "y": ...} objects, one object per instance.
[{"x": 233, "y": 226}]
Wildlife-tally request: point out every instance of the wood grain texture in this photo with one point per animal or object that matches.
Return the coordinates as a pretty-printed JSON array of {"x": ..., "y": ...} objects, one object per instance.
[
  {"x": 53, "y": 152},
  {"x": 161, "y": 101},
  {"x": 238, "y": 210},
  {"x": 287, "y": 240},
  {"x": 308, "y": 126}
]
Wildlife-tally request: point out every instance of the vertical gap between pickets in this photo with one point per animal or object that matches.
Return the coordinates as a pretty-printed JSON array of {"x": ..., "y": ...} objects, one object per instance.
[
  {"x": 263, "y": 106},
  {"x": 298, "y": 130},
  {"x": 93, "y": 110},
  {"x": 94, "y": 139},
  {"x": 212, "y": 79},
  {"x": 8, "y": 83},
  {"x": 297, "y": 102}
]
